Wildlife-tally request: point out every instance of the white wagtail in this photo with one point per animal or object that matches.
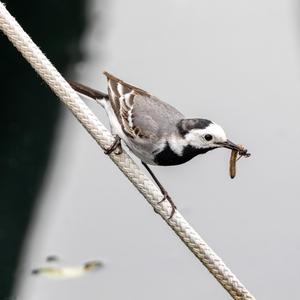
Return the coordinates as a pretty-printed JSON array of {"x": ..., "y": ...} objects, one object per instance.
[{"x": 153, "y": 130}]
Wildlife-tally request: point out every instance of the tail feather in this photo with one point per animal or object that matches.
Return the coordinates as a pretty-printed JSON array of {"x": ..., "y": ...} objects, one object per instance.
[{"x": 87, "y": 91}]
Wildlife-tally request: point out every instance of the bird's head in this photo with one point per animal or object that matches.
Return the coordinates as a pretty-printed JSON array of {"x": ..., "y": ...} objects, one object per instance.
[{"x": 204, "y": 134}]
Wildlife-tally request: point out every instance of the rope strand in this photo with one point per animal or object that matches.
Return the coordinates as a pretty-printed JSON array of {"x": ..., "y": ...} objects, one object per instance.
[{"x": 103, "y": 137}]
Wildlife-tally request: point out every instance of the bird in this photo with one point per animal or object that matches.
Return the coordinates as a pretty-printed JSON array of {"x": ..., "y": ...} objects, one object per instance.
[{"x": 153, "y": 130}]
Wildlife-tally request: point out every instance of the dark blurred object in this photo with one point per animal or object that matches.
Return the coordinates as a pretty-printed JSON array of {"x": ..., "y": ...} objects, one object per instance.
[{"x": 29, "y": 112}]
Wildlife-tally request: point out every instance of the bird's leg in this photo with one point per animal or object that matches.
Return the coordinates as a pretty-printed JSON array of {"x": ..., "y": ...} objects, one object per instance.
[
  {"x": 115, "y": 145},
  {"x": 162, "y": 189}
]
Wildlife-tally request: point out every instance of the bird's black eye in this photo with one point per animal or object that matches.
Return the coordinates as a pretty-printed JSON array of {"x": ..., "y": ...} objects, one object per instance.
[{"x": 208, "y": 137}]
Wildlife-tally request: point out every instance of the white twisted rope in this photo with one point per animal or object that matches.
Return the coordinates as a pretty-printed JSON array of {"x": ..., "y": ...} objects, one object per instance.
[{"x": 103, "y": 137}]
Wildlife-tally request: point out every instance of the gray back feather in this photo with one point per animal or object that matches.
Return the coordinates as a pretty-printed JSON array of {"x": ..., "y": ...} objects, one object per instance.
[
  {"x": 139, "y": 113},
  {"x": 155, "y": 117}
]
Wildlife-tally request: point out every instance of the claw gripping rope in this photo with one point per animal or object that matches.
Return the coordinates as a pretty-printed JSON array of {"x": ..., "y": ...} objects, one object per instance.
[{"x": 103, "y": 137}]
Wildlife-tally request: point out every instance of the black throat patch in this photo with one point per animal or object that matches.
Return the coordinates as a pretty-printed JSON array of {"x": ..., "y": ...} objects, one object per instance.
[{"x": 167, "y": 157}]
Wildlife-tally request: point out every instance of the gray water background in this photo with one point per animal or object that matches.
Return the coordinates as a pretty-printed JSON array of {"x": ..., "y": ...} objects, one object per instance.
[{"x": 235, "y": 62}]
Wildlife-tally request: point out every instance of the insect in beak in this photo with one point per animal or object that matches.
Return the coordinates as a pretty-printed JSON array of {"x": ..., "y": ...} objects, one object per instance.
[
  {"x": 230, "y": 145},
  {"x": 235, "y": 150}
]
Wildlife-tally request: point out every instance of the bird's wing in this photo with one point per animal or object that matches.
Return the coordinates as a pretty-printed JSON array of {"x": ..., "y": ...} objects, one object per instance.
[{"x": 139, "y": 113}]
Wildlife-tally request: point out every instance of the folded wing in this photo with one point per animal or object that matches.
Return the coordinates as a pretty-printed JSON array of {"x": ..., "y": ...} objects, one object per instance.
[{"x": 140, "y": 114}]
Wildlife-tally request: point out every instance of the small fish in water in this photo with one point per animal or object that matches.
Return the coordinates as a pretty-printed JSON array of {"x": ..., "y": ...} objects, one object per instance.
[{"x": 67, "y": 272}]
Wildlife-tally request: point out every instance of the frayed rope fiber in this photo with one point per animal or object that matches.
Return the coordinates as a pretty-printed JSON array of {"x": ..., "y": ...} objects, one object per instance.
[{"x": 103, "y": 137}]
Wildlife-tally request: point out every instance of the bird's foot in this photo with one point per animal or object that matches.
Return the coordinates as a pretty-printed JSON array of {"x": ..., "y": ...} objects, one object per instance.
[
  {"x": 167, "y": 197},
  {"x": 116, "y": 146}
]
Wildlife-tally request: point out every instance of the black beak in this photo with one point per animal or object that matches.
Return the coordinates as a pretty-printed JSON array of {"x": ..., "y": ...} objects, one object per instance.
[{"x": 230, "y": 145}]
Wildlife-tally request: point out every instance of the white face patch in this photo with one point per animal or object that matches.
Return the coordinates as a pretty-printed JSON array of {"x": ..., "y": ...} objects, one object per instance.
[
  {"x": 196, "y": 137},
  {"x": 177, "y": 144}
]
